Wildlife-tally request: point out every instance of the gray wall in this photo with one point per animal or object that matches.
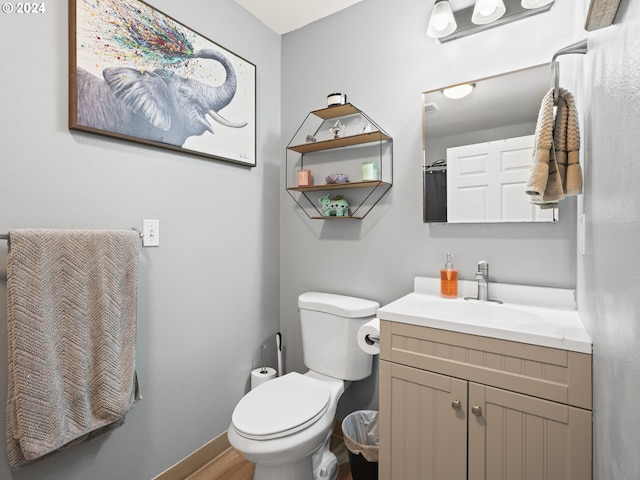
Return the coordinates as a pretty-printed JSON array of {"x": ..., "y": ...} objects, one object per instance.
[
  {"x": 608, "y": 276},
  {"x": 379, "y": 55},
  {"x": 383, "y": 62},
  {"x": 208, "y": 294}
]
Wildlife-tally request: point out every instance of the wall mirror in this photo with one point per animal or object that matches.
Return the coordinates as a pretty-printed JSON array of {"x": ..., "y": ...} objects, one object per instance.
[{"x": 478, "y": 150}]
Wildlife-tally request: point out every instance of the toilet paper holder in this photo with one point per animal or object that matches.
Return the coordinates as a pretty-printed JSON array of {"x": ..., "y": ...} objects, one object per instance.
[
  {"x": 368, "y": 337},
  {"x": 371, "y": 339}
]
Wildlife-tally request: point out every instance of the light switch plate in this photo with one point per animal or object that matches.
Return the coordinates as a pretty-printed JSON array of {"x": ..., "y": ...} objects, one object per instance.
[{"x": 150, "y": 233}]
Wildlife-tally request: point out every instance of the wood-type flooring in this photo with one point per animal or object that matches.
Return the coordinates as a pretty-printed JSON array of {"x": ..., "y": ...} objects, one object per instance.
[{"x": 233, "y": 466}]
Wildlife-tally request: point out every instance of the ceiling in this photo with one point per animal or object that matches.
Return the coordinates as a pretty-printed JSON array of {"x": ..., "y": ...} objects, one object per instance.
[
  {"x": 509, "y": 99},
  {"x": 283, "y": 16}
]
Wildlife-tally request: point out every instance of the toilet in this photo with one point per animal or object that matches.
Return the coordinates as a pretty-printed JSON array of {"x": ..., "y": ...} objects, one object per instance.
[{"x": 284, "y": 426}]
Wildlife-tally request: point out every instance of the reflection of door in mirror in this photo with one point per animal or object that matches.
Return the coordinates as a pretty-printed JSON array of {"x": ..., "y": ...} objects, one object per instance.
[
  {"x": 486, "y": 181},
  {"x": 484, "y": 142}
]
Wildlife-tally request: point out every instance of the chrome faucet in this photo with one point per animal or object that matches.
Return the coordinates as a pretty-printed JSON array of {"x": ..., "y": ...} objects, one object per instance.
[{"x": 482, "y": 276}]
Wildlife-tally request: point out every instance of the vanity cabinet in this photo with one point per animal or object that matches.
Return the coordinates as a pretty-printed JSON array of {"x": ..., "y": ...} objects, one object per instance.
[
  {"x": 455, "y": 406},
  {"x": 339, "y": 140}
]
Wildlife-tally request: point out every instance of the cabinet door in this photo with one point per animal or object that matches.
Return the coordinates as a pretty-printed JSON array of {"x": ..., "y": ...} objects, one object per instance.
[
  {"x": 517, "y": 437},
  {"x": 423, "y": 425}
]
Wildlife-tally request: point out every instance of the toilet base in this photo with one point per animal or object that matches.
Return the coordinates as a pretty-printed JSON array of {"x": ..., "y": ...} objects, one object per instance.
[
  {"x": 321, "y": 465},
  {"x": 325, "y": 463},
  {"x": 301, "y": 470}
]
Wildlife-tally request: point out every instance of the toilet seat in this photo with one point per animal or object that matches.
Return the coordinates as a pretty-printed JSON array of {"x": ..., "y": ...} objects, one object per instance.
[{"x": 281, "y": 407}]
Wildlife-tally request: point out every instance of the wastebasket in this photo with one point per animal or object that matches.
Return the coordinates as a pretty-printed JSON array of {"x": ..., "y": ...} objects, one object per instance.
[{"x": 360, "y": 432}]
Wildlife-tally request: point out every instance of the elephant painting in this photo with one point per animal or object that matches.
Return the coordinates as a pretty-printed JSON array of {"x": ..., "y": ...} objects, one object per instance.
[
  {"x": 139, "y": 74},
  {"x": 157, "y": 105}
]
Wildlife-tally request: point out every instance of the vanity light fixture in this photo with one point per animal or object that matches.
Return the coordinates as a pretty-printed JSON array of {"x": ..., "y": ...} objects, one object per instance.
[
  {"x": 535, "y": 3},
  {"x": 487, "y": 11},
  {"x": 459, "y": 91},
  {"x": 446, "y": 24},
  {"x": 442, "y": 21}
]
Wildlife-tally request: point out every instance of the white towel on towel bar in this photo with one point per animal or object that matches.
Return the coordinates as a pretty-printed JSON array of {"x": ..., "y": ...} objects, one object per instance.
[{"x": 72, "y": 309}]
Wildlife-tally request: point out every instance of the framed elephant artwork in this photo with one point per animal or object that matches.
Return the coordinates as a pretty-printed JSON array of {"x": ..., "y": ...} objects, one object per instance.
[{"x": 139, "y": 75}]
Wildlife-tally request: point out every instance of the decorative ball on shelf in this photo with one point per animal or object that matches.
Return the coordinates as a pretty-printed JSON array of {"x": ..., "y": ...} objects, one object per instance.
[{"x": 337, "y": 178}]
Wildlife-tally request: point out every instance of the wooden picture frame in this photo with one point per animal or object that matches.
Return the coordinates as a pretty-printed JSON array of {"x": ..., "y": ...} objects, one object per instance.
[
  {"x": 139, "y": 75},
  {"x": 601, "y": 14}
]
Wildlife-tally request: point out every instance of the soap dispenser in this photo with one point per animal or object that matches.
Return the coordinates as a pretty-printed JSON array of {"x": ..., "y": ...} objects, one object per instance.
[{"x": 449, "y": 279}]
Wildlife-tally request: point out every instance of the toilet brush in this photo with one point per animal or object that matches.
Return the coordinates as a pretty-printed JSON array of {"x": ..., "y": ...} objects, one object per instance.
[
  {"x": 279, "y": 349},
  {"x": 263, "y": 370}
]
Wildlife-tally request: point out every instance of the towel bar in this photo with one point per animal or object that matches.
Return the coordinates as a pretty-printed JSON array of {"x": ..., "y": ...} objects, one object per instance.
[
  {"x": 578, "y": 47},
  {"x": 5, "y": 236}
]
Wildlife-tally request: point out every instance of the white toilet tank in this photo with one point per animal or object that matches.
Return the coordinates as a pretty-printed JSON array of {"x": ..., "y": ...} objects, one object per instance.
[{"x": 330, "y": 325}]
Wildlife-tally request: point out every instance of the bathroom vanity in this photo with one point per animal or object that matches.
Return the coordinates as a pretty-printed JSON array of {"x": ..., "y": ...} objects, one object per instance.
[{"x": 484, "y": 391}]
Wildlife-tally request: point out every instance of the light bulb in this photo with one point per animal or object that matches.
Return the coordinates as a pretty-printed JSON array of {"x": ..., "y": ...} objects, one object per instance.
[
  {"x": 535, "y": 3},
  {"x": 487, "y": 11},
  {"x": 442, "y": 21}
]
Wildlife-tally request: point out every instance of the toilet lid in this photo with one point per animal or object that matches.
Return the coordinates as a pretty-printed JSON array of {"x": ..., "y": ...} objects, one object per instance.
[{"x": 281, "y": 407}]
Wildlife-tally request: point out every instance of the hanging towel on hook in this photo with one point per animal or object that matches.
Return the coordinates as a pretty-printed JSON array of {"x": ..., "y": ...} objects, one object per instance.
[
  {"x": 555, "y": 170},
  {"x": 71, "y": 311},
  {"x": 544, "y": 183},
  {"x": 566, "y": 136}
]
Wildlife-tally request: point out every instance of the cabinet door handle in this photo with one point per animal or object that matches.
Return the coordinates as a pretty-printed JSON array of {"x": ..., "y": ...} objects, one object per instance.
[
  {"x": 476, "y": 410},
  {"x": 456, "y": 405}
]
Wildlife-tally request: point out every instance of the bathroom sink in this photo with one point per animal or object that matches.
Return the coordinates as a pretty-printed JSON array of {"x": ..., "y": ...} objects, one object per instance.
[
  {"x": 535, "y": 315},
  {"x": 483, "y": 313}
]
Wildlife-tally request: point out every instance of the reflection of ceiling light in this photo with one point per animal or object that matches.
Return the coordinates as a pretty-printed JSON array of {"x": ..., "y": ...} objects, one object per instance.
[
  {"x": 535, "y": 3},
  {"x": 459, "y": 91},
  {"x": 487, "y": 11},
  {"x": 442, "y": 21}
]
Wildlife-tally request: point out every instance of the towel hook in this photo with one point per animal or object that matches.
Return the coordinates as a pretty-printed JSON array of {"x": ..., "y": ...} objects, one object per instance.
[{"x": 577, "y": 48}]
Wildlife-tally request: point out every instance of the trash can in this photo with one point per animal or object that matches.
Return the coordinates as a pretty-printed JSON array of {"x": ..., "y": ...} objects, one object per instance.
[{"x": 360, "y": 432}]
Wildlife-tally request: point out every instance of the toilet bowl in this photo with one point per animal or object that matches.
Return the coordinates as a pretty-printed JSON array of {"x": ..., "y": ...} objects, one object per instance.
[
  {"x": 284, "y": 426},
  {"x": 282, "y": 423}
]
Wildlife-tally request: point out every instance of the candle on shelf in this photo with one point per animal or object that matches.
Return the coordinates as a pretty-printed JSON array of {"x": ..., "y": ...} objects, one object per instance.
[
  {"x": 369, "y": 171},
  {"x": 304, "y": 178}
]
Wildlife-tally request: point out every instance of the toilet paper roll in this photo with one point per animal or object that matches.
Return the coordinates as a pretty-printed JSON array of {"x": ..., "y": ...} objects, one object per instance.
[
  {"x": 258, "y": 377},
  {"x": 372, "y": 327}
]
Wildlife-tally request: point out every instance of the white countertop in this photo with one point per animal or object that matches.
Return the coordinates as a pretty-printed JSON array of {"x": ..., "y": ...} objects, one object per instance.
[{"x": 535, "y": 315}]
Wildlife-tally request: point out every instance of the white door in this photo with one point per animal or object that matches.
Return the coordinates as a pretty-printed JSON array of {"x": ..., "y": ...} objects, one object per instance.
[{"x": 486, "y": 182}]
